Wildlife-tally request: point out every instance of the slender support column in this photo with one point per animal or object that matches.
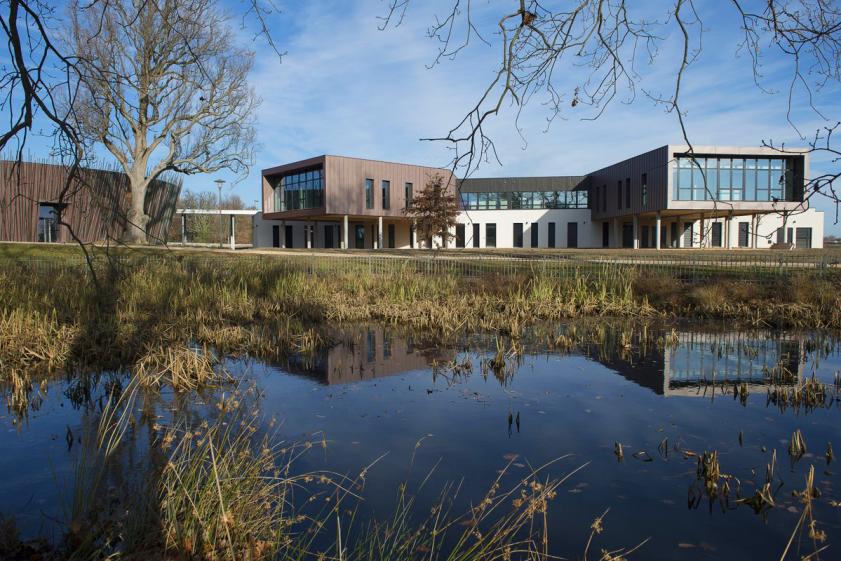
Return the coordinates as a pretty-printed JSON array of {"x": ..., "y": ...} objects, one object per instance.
[
  {"x": 702, "y": 233},
  {"x": 658, "y": 227},
  {"x": 636, "y": 231},
  {"x": 729, "y": 229},
  {"x": 345, "y": 232},
  {"x": 233, "y": 232},
  {"x": 183, "y": 229},
  {"x": 753, "y": 228},
  {"x": 308, "y": 234},
  {"x": 282, "y": 233},
  {"x": 414, "y": 236},
  {"x": 679, "y": 232},
  {"x": 379, "y": 232}
]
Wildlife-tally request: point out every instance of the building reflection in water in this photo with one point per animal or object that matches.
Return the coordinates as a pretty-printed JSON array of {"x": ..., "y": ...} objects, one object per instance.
[
  {"x": 691, "y": 363},
  {"x": 367, "y": 354}
]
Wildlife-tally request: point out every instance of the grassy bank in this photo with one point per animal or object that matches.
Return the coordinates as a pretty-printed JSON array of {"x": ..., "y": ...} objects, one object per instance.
[{"x": 58, "y": 318}]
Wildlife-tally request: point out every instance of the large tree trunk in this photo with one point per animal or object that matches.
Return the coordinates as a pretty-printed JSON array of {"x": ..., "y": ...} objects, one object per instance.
[{"x": 137, "y": 217}]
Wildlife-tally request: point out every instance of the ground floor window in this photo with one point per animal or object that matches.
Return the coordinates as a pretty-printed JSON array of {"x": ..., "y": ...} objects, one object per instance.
[
  {"x": 459, "y": 235},
  {"x": 287, "y": 237},
  {"x": 518, "y": 234},
  {"x": 551, "y": 235},
  {"x": 645, "y": 238},
  {"x": 744, "y": 234},
  {"x": 535, "y": 235},
  {"x": 412, "y": 236},
  {"x": 673, "y": 233},
  {"x": 687, "y": 234},
  {"x": 391, "y": 236},
  {"x": 359, "y": 236},
  {"x": 716, "y": 236},
  {"x": 328, "y": 236},
  {"x": 572, "y": 234},
  {"x": 48, "y": 218},
  {"x": 804, "y": 238},
  {"x": 490, "y": 235},
  {"x": 275, "y": 236},
  {"x": 605, "y": 234},
  {"x": 627, "y": 235},
  {"x": 475, "y": 235}
]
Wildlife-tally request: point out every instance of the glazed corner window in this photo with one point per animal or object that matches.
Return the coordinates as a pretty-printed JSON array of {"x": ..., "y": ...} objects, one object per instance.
[
  {"x": 408, "y": 193},
  {"x": 369, "y": 193},
  {"x": 386, "y": 187}
]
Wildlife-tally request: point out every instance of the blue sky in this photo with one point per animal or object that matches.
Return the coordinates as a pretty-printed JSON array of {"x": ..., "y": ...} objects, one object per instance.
[{"x": 346, "y": 88}]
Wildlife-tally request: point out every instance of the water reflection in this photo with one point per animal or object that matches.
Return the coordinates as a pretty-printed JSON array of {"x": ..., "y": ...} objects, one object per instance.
[
  {"x": 366, "y": 353},
  {"x": 675, "y": 363}
]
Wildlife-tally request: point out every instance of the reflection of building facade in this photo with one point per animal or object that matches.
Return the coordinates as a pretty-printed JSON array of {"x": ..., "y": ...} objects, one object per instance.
[
  {"x": 369, "y": 354},
  {"x": 725, "y": 197},
  {"x": 702, "y": 360}
]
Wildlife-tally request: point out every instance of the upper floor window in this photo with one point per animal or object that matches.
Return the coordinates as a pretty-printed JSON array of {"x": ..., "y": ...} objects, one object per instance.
[
  {"x": 644, "y": 190},
  {"x": 408, "y": 192},
  {"x": 386, "y": 187},
  {"x": 525, "y": 200},
  {"x": 299, "y": 190},
  {"x": 733, "y": 179},
  {"x": 619, "y": 194},
  {"x": 628, "y": 192},
  {"x": 369, "y": 193}
]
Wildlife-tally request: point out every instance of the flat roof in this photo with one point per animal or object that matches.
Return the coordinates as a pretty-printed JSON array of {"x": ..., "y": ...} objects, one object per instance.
[{"x": 516, "y": 184}]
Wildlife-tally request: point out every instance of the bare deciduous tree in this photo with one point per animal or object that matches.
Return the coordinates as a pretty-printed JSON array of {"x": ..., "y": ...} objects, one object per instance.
[
  {"x": 578, "y": 57},
  {"x": 434, "y": 210},
  {"x": 163, "y": 88}
]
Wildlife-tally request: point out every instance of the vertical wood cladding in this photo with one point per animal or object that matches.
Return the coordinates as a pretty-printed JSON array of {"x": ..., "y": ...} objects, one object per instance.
[{"x": 96, "y": 201}]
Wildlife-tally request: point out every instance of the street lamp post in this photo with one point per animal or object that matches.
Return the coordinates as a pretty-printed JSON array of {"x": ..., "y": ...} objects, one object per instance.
[{"x": 220, "y": 183}]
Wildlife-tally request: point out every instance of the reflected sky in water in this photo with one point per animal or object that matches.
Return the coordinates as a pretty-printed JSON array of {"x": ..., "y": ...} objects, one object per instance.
[{"x": 574, "y": 391}]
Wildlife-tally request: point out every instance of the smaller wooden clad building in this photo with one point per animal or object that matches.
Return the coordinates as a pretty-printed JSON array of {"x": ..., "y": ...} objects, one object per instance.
[{"x": 39, "y": 204}]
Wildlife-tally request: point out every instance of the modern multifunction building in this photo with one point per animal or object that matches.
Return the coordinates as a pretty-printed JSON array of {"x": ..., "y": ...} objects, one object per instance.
[{"x": 724, "y": 197}]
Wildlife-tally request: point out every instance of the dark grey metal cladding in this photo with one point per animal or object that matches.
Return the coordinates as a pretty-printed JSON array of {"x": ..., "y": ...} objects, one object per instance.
[{"x": 523, "y": 184}]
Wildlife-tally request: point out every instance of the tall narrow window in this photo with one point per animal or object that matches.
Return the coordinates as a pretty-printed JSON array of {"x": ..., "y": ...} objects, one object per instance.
[
  {"x": 518, "y": 234},
  {"x": 369, "y": 193},
  {"x": 644, "y": 190},
  {"x": 535, "y": 235},
  {"x": 551, "y": 236},
  {"x": 619, "y": 194},
  {"x": 490, "y": 235},
  {"x": 475, "y": 235},
  {"x": 408, "y": 194},
  {"x": 386, "y": 186},
  {"x": 628, "y": 192}
]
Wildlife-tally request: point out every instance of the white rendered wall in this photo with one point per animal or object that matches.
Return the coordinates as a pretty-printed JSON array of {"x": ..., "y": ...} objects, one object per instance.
[
  {"x": 765, "y": 229},
  {"x": 589, "y": 233}
]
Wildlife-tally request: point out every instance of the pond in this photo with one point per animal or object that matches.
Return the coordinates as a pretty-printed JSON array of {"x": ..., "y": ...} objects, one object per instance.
[{"x": 622, "y": 411}]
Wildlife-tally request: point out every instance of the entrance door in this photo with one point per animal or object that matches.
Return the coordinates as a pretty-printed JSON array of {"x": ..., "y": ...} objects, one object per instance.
[
  {"x": 804, "y": 238},
  {"x": 627, "y": 235},
  {"x": 288, "y": 240},
  {"x": 572, "y": 234},
  {"x": 275, "y": 236},
  {"x": 328, "y": 236},
  {"x": 359, "y": 236}
]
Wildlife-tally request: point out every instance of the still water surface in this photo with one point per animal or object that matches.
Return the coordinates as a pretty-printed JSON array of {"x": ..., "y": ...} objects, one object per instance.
[{"x": 662, "y": 394}]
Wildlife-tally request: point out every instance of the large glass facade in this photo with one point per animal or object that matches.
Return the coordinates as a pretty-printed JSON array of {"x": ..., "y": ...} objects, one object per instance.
[
  {"x": 524, "y": 200},
  {"x": 733, "y": 179},
  {"x": 299, "y": 190}
]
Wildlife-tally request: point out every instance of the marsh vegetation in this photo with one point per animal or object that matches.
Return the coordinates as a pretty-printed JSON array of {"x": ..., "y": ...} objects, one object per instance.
[{"x": 210, "y": 409}]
